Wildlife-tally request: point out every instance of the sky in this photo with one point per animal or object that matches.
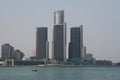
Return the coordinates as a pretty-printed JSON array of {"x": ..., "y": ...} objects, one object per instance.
[{"x": 100, "y": 19}]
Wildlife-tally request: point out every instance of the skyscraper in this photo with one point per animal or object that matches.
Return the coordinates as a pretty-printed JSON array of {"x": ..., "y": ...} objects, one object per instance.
[
  {"x": 75, "y": 43},
  {"x": 7, "y": 51},
  {"x": 82, "y": 47},
  {"x": 59, "y": 36},
  {"x": 41, "y": 41}
]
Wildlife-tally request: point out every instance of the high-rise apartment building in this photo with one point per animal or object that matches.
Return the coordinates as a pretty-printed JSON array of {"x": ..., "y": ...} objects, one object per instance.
[
  {"x": 41, "y": 43},
  {"x": 59, "y": 36},
  {"x": 7, "y": 51},
  {"x": 76, "y": 43}
]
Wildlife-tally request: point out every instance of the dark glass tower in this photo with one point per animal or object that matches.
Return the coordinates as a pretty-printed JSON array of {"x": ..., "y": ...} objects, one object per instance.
[
  {"x": 59, "y": 36},
  {"x": 75, "y": 43},
  {"x": 41, "y": 40}
]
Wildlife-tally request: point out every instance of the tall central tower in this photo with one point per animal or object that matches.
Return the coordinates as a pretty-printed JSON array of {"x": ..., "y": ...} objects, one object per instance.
[{"x": 59, "y": 36}]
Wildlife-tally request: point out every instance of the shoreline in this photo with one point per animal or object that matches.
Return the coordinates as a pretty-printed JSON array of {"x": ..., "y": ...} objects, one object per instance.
[{"x": 60, "y": 65}]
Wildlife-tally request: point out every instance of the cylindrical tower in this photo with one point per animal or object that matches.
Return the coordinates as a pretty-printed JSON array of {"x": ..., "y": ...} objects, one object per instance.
[{"x": 59, "y": 17}]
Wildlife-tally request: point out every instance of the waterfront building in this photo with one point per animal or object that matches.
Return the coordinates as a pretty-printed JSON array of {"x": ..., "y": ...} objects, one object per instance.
[
  {"x": 41, "y": 43},
  {"x": 47, "y": 51},
  {"x": 103, "y": 62},
  {"x": 7, "y": 51},
  {"x": 82, "y": 47},
  {"x": 18, "y": 55},
  {"x": 59, "y": 37},
  {"x": 83, "y": 53},
  {"x": 76, "y": 43},
  {"x": 89, "y": 57}
]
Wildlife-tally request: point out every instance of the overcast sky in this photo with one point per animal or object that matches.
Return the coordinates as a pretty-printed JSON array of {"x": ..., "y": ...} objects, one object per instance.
[{"x": 100, "y": 18}]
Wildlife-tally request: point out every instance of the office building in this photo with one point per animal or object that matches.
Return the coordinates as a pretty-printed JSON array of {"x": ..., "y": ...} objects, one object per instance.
[
  {"x": 41, "y": 41},
  {"x": 59, "y": 37},
  {"x": 75, "y": 43},
  {"x": 7, "y": 51}
]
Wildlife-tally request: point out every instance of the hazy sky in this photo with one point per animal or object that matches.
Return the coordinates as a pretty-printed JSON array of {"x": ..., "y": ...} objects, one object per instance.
[{"x": 100, "y": 18}]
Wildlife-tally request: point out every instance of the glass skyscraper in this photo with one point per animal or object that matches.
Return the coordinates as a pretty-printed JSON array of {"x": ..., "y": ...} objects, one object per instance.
[
  {"x": 59, "y": 36},
  {"x": 41, "y": 43},
  {"x": 76, "y": 43}
]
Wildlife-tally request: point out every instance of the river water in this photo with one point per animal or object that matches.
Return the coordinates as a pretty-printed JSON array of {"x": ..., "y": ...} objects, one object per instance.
[{"x": 60, "y": 73}]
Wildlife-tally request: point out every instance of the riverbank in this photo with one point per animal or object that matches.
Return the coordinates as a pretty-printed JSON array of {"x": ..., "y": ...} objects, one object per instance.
[{"x": 61, "y": 65}]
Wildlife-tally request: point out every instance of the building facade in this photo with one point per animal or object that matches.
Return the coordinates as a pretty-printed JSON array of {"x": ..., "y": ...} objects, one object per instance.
[
  {"x": 82, "y": 47},
  {"x": 83, "y": 53},
  {"x": 41, "y": 41},
  {"x": 59, "y": 36},
  {"x": 75, "y": 44},
  {"x": 7, "y": 51},
  {"x": 18, "y": 55},
  {"x": 59, "y": 17},
  {"x": 89, "y": 57}
]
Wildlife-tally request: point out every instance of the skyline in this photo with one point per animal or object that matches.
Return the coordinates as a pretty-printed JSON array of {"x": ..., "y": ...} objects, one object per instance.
[{"x": 100, "y": 20}]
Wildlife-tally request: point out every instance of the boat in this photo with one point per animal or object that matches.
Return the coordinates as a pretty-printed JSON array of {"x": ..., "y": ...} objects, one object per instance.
[{"x": 34, "y": 69}]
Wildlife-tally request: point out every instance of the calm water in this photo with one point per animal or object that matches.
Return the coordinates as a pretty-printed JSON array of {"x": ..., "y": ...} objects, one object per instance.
[{"x": 60, "y": 73}]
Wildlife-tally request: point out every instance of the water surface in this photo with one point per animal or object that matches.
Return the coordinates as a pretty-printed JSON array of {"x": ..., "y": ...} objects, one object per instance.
[{"x": 60, "y": 73}]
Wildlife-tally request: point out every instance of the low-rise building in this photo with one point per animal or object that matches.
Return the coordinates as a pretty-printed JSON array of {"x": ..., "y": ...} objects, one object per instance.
[{"x": 18, "y": 55}]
